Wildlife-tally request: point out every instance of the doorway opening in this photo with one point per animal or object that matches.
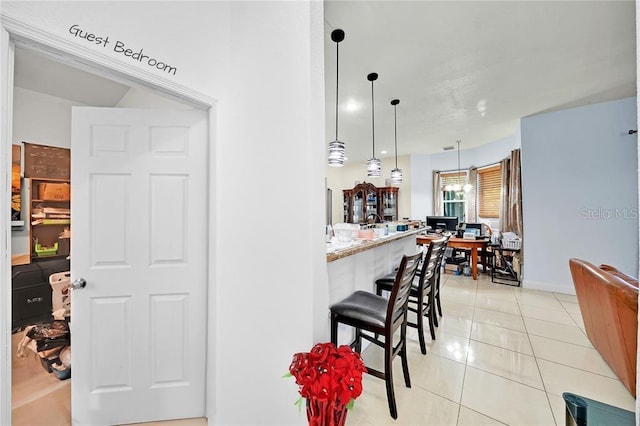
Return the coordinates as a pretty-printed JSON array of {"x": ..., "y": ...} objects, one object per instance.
[
  {"x": 53, "y": 396},
  {"x": 44, "y": 92}
]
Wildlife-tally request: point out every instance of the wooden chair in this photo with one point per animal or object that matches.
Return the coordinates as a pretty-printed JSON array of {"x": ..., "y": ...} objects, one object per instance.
[
  {"x": 436, "y": 293},
  {"x": 486, "y": 254},
  {"x": 369, "y": 312},
  {"x": 422, "y": 296}
]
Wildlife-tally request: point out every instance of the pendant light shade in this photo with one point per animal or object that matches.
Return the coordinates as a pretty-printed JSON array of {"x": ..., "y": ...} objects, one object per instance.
[
  {"x": 336, "y": 153},
  {"x": 396, "y": 174},
  {"x": 337, "y": 148},
  {"x": 374, "y": 168}
]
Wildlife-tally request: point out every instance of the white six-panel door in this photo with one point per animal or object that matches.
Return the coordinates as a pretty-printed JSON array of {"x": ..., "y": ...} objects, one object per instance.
[{"x": 139, "y": 239}]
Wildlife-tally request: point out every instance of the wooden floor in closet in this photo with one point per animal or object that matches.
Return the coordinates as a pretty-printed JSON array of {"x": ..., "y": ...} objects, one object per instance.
[{"x": 38, "y": 398}]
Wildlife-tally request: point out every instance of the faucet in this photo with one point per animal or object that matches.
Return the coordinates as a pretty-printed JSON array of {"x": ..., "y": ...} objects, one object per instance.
[{"x": 375, "y": 216}]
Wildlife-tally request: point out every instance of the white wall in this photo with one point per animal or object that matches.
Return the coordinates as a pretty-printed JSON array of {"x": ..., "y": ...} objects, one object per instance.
[
  {"x": 274, "y": 102},
  {"x": 579, "y": 186},
  {"x": 422, "y": 167},
  {"x": 41, "y": 119},
  {"x": 263, "y": 62}
]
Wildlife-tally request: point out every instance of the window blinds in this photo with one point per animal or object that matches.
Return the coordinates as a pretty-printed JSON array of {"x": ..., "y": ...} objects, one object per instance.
[
  {"x": 489, "y": 191},
  {"x": 451, "y": 178}
]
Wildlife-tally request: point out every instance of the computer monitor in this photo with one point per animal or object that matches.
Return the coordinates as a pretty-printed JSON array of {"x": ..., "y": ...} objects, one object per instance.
[
  {"x": 478, "y": 226},
  {"x": 447, "y": 223}
]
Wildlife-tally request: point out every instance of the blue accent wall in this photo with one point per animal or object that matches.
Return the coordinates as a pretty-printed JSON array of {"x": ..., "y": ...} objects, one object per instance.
[{"x": 580, "y": 191}]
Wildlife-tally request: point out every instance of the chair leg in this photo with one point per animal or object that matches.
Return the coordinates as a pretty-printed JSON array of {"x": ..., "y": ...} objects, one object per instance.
[
  {"x": 403, "y": 357},
  {"x": 435, "y": 317},
  {"x": 420, "y": 324},
  {"x": 358, "y": 340},
  {"x": 437, "y": 295},
  {"x": 334, "y": 329},
  {"x": 430, "y": 314},
  {"x": 379, "y": 293},
  {"x": 388, "y": 376}
]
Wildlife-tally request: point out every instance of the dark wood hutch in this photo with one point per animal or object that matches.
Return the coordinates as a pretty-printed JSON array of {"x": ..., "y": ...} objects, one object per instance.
[{"x": 366, "y": 200}]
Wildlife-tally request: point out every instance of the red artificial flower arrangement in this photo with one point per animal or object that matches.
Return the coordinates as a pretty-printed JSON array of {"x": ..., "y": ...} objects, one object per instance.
[{"x": 328, "y": 376}]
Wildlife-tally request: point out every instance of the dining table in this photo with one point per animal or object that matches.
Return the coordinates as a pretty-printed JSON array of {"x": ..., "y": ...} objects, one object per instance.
[{"x": 466, "y": 243}]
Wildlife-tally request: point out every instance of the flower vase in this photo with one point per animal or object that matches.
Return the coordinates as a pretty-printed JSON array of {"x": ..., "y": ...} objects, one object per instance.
[{"x": 325, "y": 413}]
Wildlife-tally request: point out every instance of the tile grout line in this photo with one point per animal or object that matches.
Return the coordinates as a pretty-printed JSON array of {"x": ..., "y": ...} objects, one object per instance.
[{"x": 544, "y": 385}]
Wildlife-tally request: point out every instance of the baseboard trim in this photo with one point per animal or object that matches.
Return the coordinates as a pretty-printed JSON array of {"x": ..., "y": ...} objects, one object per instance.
[{"x": 552, "y": 287}]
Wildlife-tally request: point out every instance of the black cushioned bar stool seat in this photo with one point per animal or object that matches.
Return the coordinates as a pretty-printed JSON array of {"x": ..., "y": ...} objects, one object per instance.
[{"x": 363, "y": 306}]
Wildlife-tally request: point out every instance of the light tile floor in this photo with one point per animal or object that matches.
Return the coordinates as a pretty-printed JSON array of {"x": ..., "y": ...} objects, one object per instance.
[{"x": 502, "y": 355}]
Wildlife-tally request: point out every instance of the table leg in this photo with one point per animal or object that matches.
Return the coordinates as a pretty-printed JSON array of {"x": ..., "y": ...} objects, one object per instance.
[{"x": 474, "y": 263}]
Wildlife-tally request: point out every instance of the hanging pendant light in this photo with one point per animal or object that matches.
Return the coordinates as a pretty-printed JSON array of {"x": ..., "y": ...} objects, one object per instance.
[
  {"x": 374, "y": 168},
  {"x": 457, "y": 187},
  {"x": 396, "y": 174},
  {"x": 467, "y": 186},
  {"x": 336, "y": 148}
]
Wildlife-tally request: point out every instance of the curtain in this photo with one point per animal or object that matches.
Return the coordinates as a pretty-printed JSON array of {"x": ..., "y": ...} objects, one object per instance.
[
  {"x": 511, "y": 196},
  {"x": 511, "y": 202},
  {"x": 471, "y": 197},
  {"x": 436, "y": 193},
  {"x": 515, "y": 193},
  {"x": 504, "y": 194}
]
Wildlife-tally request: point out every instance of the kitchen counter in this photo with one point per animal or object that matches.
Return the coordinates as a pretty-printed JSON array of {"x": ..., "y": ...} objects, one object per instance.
[
  {"x": 356, "y": 267},
  {"x": 338, "y": 250}
]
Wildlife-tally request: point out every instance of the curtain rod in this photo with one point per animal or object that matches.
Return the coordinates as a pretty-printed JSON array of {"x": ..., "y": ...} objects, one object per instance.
[
  {"x": 490, "y": 164},
  {"x": 475, "y": 167}
]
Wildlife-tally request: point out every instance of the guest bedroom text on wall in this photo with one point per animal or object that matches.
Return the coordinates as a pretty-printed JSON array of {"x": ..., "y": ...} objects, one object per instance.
[{"x": 121, "y": 48}]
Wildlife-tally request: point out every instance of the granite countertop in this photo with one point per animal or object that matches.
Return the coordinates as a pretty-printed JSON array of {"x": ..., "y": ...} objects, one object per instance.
[{"x": 337, "y": 251}]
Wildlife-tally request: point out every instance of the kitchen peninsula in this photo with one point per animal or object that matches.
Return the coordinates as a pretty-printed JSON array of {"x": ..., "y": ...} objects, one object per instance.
[
  {"x": 336, "y": 251},
  {"x": 357, "y": 266}
]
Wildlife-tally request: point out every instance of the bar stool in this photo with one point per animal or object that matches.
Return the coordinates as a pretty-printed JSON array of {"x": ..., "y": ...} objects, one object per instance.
[
  {"x": 423, "y": 290},
  {"x": 436, "y": 294},
  {"x": 368, "y": 312}
]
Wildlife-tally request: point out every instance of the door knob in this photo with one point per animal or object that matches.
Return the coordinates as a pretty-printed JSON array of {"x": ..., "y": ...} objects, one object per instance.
[{"x": 77, "y": 284}]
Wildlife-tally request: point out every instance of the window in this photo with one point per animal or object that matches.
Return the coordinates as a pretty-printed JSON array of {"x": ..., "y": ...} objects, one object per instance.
[
  {"x": 489, "y": 183},
  {"x": 453, "y": 202}
]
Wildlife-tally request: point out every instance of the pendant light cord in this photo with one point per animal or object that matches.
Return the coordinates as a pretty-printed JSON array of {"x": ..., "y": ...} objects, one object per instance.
[
  {"x": 458, "y": 162},
  {"x": 337, "y": 76},
  {"x": 395, "y": 132},
  {"x": 373, "y": 118}
]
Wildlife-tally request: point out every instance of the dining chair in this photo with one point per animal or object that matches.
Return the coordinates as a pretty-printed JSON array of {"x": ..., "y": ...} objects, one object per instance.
[
  {"x": 375, "y": 314},
  {"x": 486, "y": 254}
]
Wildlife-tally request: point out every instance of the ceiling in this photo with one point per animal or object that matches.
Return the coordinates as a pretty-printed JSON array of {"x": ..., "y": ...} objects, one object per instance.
[
  {"x": 462, "y": 70},
  {"x": 469, "y": 70},
  {"x": 34, "y": 71}
]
